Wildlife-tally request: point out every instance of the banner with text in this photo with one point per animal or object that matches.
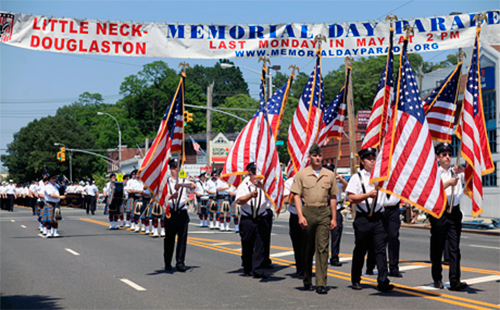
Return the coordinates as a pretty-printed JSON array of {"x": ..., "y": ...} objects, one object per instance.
[{"x": 79, "y": 36}]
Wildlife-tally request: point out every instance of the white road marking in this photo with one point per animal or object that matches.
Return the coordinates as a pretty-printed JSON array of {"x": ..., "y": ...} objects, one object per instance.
[
  {"x": 23, "y": 226},
  {"x": 72, "y": 252},
  {"x": 12, "y": 221},
  {"x": 281, "y": 254},
  {"x": 275, "y": 225},
  {"x": 429, "y": 287},
  {"x": 348, "y": 233},
  {"x": 482, "y": 279},
  {"x": 345, "y": 259},
  {"x": 411, "y": 267},
  {"x": 132, "y": 284},
  {"x": 486, "y": 247},
  {"x": 222, "y": 243}
]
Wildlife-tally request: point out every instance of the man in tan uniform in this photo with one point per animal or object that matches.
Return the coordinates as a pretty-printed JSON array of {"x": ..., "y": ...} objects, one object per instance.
[{"x": 315, "y": 189}]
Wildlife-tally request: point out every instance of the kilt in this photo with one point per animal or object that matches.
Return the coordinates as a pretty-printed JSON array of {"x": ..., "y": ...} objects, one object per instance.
[
  {"x": 48, "y": 213},
  {"x": 129, "y": 205},
  {"x": 147, "y": 213},
  {"x": 235, "y": 210}
]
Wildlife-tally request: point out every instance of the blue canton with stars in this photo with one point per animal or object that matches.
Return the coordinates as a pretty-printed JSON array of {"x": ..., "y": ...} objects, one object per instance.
[
  {"x": 314, "y": 90},
  {"x": 409, "y": 94}
]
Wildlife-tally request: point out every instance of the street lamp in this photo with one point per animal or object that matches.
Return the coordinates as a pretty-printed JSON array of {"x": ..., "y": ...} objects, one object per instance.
[
  {"x": 269, "y": 75},
  {"x": 70, "y": 164},
  {"x": 119, "y": 139}
]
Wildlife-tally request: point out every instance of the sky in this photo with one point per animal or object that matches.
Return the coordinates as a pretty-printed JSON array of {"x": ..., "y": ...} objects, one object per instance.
[{"x": 34, "y": 84}]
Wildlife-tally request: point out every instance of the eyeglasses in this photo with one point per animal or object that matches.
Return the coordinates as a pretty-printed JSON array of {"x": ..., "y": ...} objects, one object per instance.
[{"x": 444, "y": 154}]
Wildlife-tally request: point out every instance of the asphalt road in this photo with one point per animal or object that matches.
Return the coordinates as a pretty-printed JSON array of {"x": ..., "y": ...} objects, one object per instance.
[{"x": 90, "y": 267}]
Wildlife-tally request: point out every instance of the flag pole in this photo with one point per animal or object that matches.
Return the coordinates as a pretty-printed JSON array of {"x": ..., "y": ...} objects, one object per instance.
[
  {"x": 350, "y": 111},
  {"x": 459, "y": 153}
]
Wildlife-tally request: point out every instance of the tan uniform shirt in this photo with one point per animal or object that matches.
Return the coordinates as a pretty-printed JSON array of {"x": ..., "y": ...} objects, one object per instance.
[{"x": 315, "y": 190}]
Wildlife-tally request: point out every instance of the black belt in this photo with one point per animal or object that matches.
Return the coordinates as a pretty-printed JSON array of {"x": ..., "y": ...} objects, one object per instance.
[{"x": 375, "y": 215}]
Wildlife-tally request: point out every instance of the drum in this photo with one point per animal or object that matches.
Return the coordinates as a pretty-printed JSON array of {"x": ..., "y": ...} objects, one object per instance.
[
  {"x": 116, "y": 197},
  {"x": 203, "y": 204}
]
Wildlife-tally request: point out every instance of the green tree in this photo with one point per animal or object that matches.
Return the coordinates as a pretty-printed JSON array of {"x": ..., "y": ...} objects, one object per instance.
[
  {"x": 224, "y": 123},
  {"x": 33, "y": 149}
]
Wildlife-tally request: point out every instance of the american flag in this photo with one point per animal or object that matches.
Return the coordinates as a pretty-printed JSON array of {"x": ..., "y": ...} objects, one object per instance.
[
  {"x": 304, "y": 129},
  {"x": 472, "y": 132},
  {"x": 170, "y": 138},
  {"x": 276, "y": 106},
  {"x": 406, "y": 166},
  {"x": 256, "y": 144},
  {"x": 197, "y": 147},
  {"x": 334, "y": 115},
  {"x": 439, "y": 106},
  {"x": 377, "y": 123}
]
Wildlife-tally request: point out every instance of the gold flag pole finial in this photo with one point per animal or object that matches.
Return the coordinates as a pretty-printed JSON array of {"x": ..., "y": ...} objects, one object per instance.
[
  {"x": 348, "y": 60},
  {"x": 391, "y": 17},
  {"x": 318, "y": 38},
  {"x": 409, "y": 31},
  {"x": 184, "y": 65},
  {"x": 294, "y": 67},
  {"x": 264, "y": 60}
]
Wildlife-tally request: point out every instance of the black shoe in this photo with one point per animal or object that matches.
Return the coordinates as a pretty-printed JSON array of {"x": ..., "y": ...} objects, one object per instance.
[
  {"x": 168, "y": 268},
  {"x": 259, "y": 276},
  {"x": 438, "y": 284},
  {"x": 395, "y": 274},
  {"x": 335, "y": 262},
  {"x": 181, "y": 268},
  {"x": 300, "y": 275},
  {"x": 270, "y": 266},
  {"x": 246, "y": 274},
  {"x": 386, "y": 287},
  {"x": 356, "y": 286},
  {"x": 369, "y": 272},
  {"x": 308, "y": 287},
  {"x": 321, "y": 290},
  {"x": 458, "y": 286}
]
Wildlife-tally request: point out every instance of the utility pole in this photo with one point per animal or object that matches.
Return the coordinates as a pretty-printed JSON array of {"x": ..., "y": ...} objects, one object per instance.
[{"x": 210, "y": 90}]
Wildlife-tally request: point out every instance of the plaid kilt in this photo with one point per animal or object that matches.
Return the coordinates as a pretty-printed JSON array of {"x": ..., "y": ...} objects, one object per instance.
[
  {"x": 235, "y": 212},
  {"x": 48, "y": 213},
  {"x": 129, "y": 205}
]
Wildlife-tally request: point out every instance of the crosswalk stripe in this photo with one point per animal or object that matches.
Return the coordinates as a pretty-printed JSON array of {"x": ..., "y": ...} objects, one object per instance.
[
  {"x": 482, "y": 279},
  {"x": 72, "y": 252},
  {"x": 132, "y": 284},
  {"x": 485, "y": 247},
  {"x": 282, "y": 254},
  {"x": 345, "y": 259},
  {"x": 411, "y": 267}
]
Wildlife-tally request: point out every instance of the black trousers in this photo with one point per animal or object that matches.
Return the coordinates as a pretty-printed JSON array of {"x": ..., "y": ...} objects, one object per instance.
[
  {"x": 296, "y": 237},
  {"x": 176, "y": 225},
  {"x": 91, "y": 204},
  {"x": 10, "y": 202},
  {"x": 336, "y": 235},
  {"x": 448, "y": 227},
  {"x": 267, "y": 242},
  {"x": 32, "y": 202},
  {"x": 369, "y": 231},
  {"x": 392, "y": 226},
  {"x": 253, "y": 233}
]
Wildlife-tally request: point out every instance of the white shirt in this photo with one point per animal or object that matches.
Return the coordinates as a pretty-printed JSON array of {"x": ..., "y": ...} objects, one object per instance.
[
  {"x": 92, "y": 190},
  {"x": 184, "y": 193},
  {"x": 288, "y": 186},
  {"x": 107, "y": 189},
  {"x": 354, "y": 187},
  {"x": 135, "y": 185},
  {"x": 200, "y": 188},
  {"x": 50, "y": 189},
  {"x": 257, "y": 205},
  {"x": 211, "y": 186},
  {"x": 459, "y": 191},
  {"x": 10, "y": 189},
  {"x": 222, "y": 184}
]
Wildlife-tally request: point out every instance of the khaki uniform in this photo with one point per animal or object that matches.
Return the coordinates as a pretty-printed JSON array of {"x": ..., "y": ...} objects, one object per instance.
[{"x": 315, "y": 192}]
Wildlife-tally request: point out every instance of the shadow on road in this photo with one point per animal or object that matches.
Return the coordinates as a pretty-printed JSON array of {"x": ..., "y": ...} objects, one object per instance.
[{"x": 29, "y": 302}]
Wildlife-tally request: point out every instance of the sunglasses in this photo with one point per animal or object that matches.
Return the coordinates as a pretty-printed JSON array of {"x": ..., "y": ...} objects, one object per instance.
[{"x": 444, "y": 154}]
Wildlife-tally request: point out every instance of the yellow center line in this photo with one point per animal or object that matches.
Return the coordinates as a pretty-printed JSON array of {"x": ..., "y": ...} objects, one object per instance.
[{"x": 450, "y": 299}]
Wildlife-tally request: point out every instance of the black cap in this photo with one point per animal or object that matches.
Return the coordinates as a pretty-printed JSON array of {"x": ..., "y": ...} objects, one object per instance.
[
  {"x": 364, "y": 153},
  {"x": 203, "y": 174},
  {"x": 173, "y": 163},
  {"x": 442, "y": 147},
  {"x": 133, "y": 172},
  {"x": 112, "y": 175},
  {"x": 315, "y": 149},
  {"x": 329, "y": 166},
  {"x": 251, "y": 168}
]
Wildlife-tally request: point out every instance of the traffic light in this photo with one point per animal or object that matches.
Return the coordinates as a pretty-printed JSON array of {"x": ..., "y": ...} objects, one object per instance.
[
  {"x": 188, "y": 117},
  {"x": 63, "y": 154},
  {"x": 59, "y": 156}
]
